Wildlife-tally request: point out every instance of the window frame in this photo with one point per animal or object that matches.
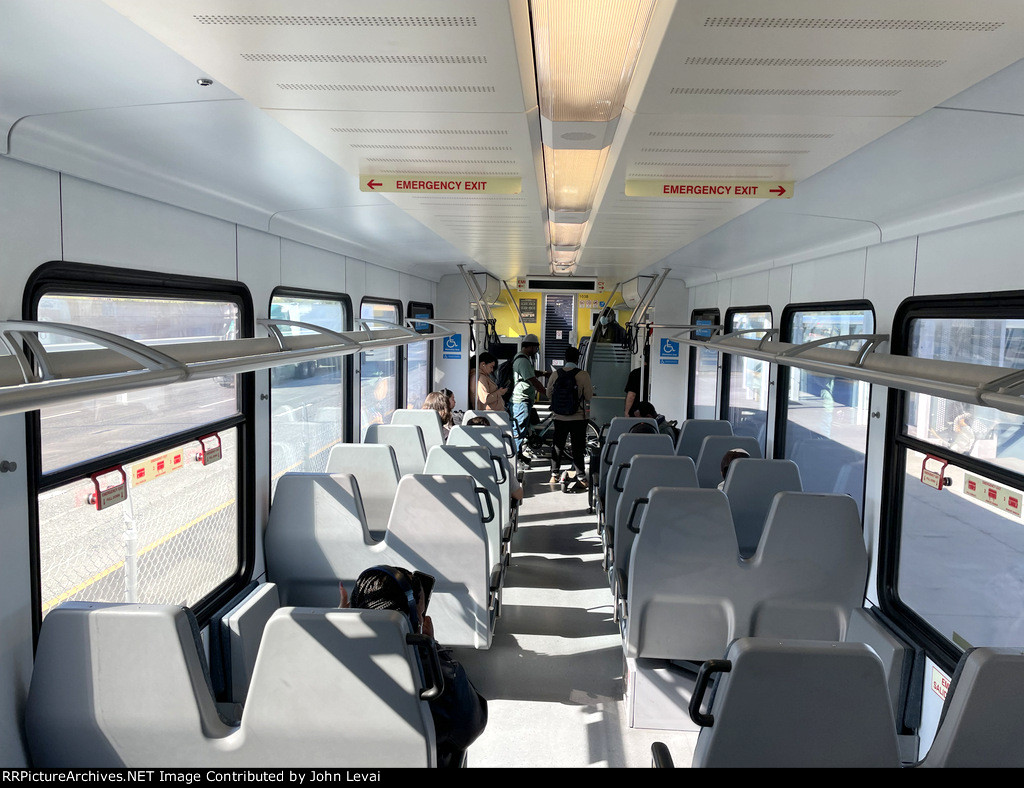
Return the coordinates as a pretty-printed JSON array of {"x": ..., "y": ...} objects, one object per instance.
[
  {"x": 399, "y": 360},
  {"x": 73, "y": 278},
  {"x": 782, "y": 378},
  {"x": 727, "y": 359},
  {"x": 979, "y": 306},
  {"x": 348, "y": 366},
  {"x": 429, "y": 307},
  {"x": 691, "y": 373}
]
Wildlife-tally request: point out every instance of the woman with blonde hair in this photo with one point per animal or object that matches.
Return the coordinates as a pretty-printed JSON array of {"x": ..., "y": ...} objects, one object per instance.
[{"x": 438, "y": 400}]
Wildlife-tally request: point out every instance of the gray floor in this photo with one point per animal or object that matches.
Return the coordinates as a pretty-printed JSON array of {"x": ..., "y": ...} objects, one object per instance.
[{"x": 553, "y": 677}]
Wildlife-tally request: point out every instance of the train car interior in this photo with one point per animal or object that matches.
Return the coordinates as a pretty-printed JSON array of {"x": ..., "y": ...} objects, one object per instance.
[{"x": 671, "y": 350}]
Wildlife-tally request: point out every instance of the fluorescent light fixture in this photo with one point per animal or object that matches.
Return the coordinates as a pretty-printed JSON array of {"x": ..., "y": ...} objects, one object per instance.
[
  {"x": 586, "y": 53},
  {"x": 567, "y": 234},
  {"x": 572, "y": 177}
]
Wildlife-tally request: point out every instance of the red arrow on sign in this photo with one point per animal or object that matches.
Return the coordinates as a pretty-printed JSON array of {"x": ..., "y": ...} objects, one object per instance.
[
  {"x": 778, "y": 190},
  {"x": 372, "y": 183}
]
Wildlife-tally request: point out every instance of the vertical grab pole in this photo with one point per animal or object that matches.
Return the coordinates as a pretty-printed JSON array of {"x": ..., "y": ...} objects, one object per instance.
[{"x": 131, "y": 549}]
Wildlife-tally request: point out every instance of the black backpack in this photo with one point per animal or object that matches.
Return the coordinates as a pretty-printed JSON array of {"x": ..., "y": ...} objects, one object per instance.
[
  {"x": 565, "y": 395},
  {"x": 506, "y": 374}
]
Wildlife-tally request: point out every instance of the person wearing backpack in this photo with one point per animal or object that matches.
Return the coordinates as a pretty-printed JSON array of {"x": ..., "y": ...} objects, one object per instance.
[{"x": 570, "y": 391}]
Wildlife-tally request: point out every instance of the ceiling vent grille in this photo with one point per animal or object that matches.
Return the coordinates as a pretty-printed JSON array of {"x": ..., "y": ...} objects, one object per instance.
[
  {"x": 422, "y": 171},
  {"x": 780, "y": 92},
  {"x": 727, "y": 151},
  {"x": 275, "y": 20},
  {"x": 430, "y": 132},
  {"x": 708, "y": 164},
  {"x": 942, "y": 25},
  {"x": 315, "y": 86},
  {"x": 364, "y": 146},
  {"x": 746, "y": 135},
  {"x": 417, "y": 60},
  {"x": 425, "y": 162},
  {"x": 814, "y": 62}
]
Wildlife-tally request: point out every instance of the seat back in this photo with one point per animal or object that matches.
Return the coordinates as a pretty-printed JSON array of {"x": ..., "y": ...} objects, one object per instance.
[
  {"x": 646, "y": 472},
  {"x": 800, "y": 704},
  {"x": 437, "y": 526},
  {"x": 124, "y": 685},
  {"x": 812, "y": 566},
  {"x": 499, "y": 418},
  {"x": 693, "y": 432},
  {"x": 405, "y": 439},
  {"x": 713, "y": 448},
  {"x": 619, "y": 426},
  {"x": 682, "y": 571},
  {"x": 242, "y": 629},
  {"x": 375, "y": 467},
  {"x": 315, "y": 520},
  {"x": 750, "y": 487},
  {"x": 629, "y": 445},
  {"x": 981, "y": 723},
  {"x": 499, "y": 439},
  {"x": 428, "y": 420},
  {"x": 473, "y": 461}
]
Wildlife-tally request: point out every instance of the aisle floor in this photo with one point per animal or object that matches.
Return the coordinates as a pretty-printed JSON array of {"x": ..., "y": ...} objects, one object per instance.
[{"x": 553, "y": 677}]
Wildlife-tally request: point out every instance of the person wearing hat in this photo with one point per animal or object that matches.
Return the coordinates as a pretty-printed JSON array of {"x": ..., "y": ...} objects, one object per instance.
[
  {"x": 526, "y": 384},
  {"x": 608, "y": 328}
]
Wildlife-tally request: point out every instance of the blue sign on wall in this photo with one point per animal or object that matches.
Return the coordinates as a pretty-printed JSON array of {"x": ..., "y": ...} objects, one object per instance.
[
  {"x": 453, "y": 346},
  {"x": 669, "y": 351}
]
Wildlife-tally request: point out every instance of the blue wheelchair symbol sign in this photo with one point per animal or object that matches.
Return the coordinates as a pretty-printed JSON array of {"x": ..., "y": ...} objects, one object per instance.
[
  {"x": 453, "y": 346},
  {"x": 669, "y": 352}
]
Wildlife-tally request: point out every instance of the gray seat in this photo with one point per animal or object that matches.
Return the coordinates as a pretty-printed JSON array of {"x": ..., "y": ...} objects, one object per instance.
[
  {"x": 713, "y": 448},
  {"x": 436, "y": 526},
  {"x": 475, "y": 461},
  {"x": 690, "y": 594},
  {"x": 499, "y": 418},
  {"x": 981, "y": 723},
  {"x": 405, "y": 439},
  {"x": 315, "y": 521},
  {"x": 644, "y": 474},
  {"x": 242, "y": 628},
  {"x": 618, "y": 427},
  {"x": 798, "y": 704},
  {"x": 124, "y": 685},
  {"x": 499, "y": 442},
  {"x": 622, "y": 455},
  {"x": 750, "y": 487},
  {"x": 375, "y": 468},
  {"x": 820, "y": 461},
  {"x": 693, "y": 432},
  {"x": 429, "y": 422}
]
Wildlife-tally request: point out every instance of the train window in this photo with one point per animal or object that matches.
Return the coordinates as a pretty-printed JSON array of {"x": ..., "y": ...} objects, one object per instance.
[
  {"x": 142, "y": 496},
  {"x": 308, "y": 399},
  {"x": 379, "y": 368},
  {"x": 823, "y": 419},
  {"x": 745, "y": 389},
  {"x": 75, "y": 433},
  {"x": 953, "y": 526},
  {"x": 703, "y": 373},
  {"x": 418, "y": 358}
]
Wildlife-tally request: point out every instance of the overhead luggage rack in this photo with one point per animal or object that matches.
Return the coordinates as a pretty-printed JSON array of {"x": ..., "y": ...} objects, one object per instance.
[
  {"x": 978, "y": 384},
  {"x": 32, "y": 377}
]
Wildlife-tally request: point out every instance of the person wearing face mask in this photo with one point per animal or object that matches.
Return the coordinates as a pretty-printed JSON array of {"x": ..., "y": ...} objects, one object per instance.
[{"x": 607, "y": 330}]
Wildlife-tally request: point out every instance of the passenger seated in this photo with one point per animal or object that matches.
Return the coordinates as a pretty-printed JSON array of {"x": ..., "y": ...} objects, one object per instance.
[
  {"x": 459, "y": 712},
  {"x": 727, "y": 459},
  {"x": 517, "y": 486},
  {"x": 456, "y": 414},
  {"x": 643, "y": 428},
  {"x": 646, "y": 410},
  {"x": 441, "y": 402}
]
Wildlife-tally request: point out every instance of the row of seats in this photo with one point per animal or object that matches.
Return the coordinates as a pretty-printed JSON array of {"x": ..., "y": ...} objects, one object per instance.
[
  {"x": 127, "y": 686},
  {"x": 794, "y": 703}
]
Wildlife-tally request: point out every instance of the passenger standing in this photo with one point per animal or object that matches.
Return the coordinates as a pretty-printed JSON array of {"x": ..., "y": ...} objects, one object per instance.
[
  {"x": 488, "y": 395},
  {"x": 524, "y": 392},
  {"x": 608, "y": 330},
  {"x": 570, "y": 391}
]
